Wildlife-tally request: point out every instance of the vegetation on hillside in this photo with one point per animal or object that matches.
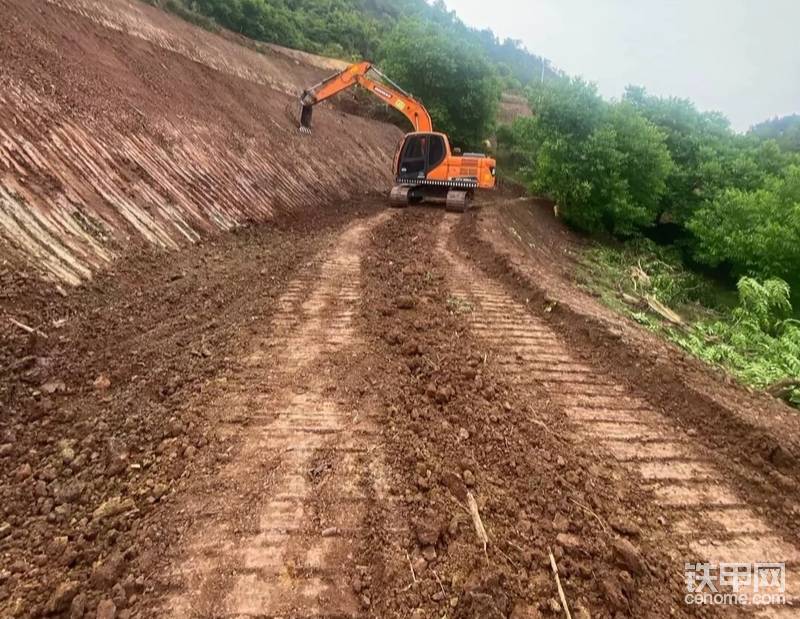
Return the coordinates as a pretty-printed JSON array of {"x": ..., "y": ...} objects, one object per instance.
[
  {"x": 423, "y": 58},
  {"x": 785, "y": 130},
  {"x": 719, "y": 203},
  {"x": 749, "y": 330},
  {"x": 636, "y": 166}
]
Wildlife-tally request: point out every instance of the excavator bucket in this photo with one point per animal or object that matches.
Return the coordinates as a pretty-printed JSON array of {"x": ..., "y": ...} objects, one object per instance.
[{"x": 305, "y": 118}]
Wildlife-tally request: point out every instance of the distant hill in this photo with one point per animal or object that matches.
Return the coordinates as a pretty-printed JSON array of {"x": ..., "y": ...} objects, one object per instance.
[{"x": 784, "y": 129}]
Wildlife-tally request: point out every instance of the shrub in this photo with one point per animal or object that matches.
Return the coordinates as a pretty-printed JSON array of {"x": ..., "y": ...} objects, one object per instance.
[
  {"x": 755, "y": 232},
  {"x": 604, "y": 164}
]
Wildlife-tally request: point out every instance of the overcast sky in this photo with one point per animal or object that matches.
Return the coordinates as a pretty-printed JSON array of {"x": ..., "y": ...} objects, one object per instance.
[{"x": 741, "y": 57}]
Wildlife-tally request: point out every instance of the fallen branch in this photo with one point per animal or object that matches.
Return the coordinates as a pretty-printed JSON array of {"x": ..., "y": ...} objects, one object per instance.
[
  {"x": 476, "y": 520},
  {"x": 26, "y": 328},
  {"x": 558, "y": 584},
  {"x": 439, "y": 581},
  {"x": 783, "y": 388},
  {"x": 662, "y": 310},
  {"x": 411, "y": 565}
]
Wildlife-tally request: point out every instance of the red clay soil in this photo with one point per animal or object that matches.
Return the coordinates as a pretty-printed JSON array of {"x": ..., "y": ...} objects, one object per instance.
[
  {"x": 97, "y": 434},
  {"x": 124, "y": 126},
  {"x": 342, "y": 412},
  {"x": 756, "y": 436},
  {"x": 455, "y": 425}
]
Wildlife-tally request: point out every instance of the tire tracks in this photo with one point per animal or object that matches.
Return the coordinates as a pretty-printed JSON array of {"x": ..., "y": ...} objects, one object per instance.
[
  {"x": 293, "y": 501},
  {"x": 705, "y": 514}
]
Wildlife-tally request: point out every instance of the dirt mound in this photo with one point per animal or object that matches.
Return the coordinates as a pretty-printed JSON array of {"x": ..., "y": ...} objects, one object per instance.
[
  {"x": 456, "y": 428},
  {"x": 121, "y": 125}
]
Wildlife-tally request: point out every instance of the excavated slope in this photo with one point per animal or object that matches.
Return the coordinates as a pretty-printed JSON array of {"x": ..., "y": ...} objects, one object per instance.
[{"x": 123, "y": 126}]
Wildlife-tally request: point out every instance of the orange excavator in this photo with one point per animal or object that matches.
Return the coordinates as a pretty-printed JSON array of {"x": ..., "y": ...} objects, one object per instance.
[{"x": 425, "y": 166}]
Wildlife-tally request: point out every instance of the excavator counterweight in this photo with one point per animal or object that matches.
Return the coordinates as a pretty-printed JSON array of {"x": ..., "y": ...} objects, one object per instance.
[{"x": 425, "y": 166}]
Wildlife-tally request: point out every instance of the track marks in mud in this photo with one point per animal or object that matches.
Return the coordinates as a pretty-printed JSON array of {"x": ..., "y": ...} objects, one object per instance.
[
  {"x": 296, "y": 496},
  {"x": 705, "y": 513}
]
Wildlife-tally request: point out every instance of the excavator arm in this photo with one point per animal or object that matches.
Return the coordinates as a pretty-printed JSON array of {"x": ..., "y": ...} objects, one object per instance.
[{"x": 386, "y": 90}]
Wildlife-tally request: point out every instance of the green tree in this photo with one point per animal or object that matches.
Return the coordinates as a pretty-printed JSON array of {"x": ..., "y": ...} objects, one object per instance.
[
  {"x": 755, "y": 232},
  {"x": 604, "y": 164},
  {"x": 453, "y": 78}
]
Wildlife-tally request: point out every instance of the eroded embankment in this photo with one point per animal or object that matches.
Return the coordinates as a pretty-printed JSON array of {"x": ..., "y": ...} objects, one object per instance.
[{"x": 121, "y": 125}]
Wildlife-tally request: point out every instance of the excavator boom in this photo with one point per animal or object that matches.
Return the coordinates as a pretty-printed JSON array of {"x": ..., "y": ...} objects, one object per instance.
[{"x": 386, "y": 90}]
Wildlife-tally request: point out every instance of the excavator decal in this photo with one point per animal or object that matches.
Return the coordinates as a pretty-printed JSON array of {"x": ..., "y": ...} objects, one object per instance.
[{"x": 425, "y": 166}]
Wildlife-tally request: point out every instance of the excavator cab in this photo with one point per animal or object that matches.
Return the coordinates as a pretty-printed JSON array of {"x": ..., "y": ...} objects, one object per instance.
[
  {"x": 427, "y": 168},
  {"x": 419, "y": 154}
]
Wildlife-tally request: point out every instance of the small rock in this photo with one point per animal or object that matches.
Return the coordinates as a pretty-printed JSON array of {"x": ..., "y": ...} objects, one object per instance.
[
  {"x": 429, "y": 553},
  {"x": 625, "y": 527},
  {"x": 330, "y": 532},
  {"x": 365, "y": 601},
  {"x": 5, "y": 529},
  {"x": 23, "y": 472},
  {"x": 106, "y": 573},
  {"x": 427, "y": 529},
  {"x": 469, "y": 478},
  {"x": 159, "y": 490},
  {"x": 70, "y": 492},
  {"x": 6, "y": 449},
  {"x": 78, "y": 607},
  {"x": 173, "y": 429},
  {"x": 463, "y": 434},
  {"x": 118, "y": 596},
  {"x": 405, "y": 302},
  {"x": 113, "y": 507},
  {"x": 612, "y": 591},
  {"x": 580, "y": 612},
  {"x": 523, "y": 610},
  {"x": 555, "y": 605},
  {"x": 567, "y": 540},
  {"x": 561, "y": 523},
  {"x": 629, "y": 555},
  {"x": 101, "y": 383},
  {"x": 106, "y": 610},
  {"x": 62, "y": 597},
  {"x": 53, "y": 386}
]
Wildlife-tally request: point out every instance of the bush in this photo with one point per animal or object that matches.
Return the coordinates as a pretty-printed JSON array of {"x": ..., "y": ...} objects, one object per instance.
[
  {"x": 755, "y": 232},
  {"x": 604, "y": 164}
]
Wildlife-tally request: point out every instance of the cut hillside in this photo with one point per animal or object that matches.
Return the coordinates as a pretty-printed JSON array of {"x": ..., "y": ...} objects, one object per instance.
[{"x": 122, "y": 126}]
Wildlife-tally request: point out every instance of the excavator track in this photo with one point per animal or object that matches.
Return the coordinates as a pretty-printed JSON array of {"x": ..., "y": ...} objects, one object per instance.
[
  {"x": 457, "y": 201},
  {"x": 398, "y": 197}
]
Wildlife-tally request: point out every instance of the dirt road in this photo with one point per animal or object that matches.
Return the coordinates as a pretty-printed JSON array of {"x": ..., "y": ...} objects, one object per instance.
[
  {"x": 294, "y": 421},
  {"x": 269, "y": 396}
]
